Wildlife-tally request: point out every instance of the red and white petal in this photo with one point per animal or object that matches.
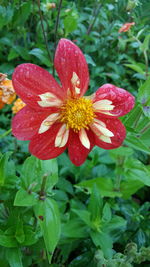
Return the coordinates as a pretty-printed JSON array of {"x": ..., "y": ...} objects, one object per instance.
[
  {"x": 103, "y": 105},
  {"x": 77, "y": 152},
  {"x": 116, "y": 127},
  {"x": 43, "y": 147},
  {"x": 62, "y": 136},
  {"x": 47, "y": 123},
  {"x": 30, "y": 81},
  {"x": 26, "y": 123},
  {"x": 100, "y": 128},
  {"x": 49, "y": 100},
  {"x": 84, "y": 138},
  {"x": 121, "y": 99},
  {"x": 71, "y": 67}
]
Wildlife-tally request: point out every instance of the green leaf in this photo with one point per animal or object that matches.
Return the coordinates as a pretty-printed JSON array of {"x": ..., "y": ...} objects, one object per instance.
[
  {"x": 128, "y": 187},
  {"x": 106, "y": 215},
  {"x": 31, "y": 181},
  {"x": 13, "y": 256},
  {"x": 136, "y": 68},
  {"x": 3, "y": 167},
  {"x": 145, "y": 45},
  {"x": 137, "y": 171},
  {"x": 136, "y": 143},
  {"x": 95, "y": 205},
  {"x": 74, "y": 228},
  {"x": 22, "y": 14},
  {"x": 12, "y": 54},
  {"x": 7, "y": 238},
  {"x": 39, "y": 53},
  {"x": 104, "y": 185},
  {"x": 134, "y": 114},
  {"x": 104, "y": 241},
  {"x": 71, "y": 22},
  {"x": 6, "y": 15},
  {"x": 144, "y": 97},
  {"x": 19, "y": 234},
  {"x": 49, "y": 219},
  {"x": 89, "y": 60},
  {"x": 84, "y": 215},
  {"x": 23, "y": 198},
  {"x": 50, "y": 167},
  {"x": 30, "y": 236},
  {"x": 7, "y": 171}
]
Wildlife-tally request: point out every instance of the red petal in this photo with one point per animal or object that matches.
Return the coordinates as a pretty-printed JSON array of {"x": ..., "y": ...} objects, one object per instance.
[
  {"x": 68, "y": 59},
  {"x": 30, "y": 80},
  {"x": 121, "y": 99},
  {"x": 77, "y": 152},
  {"x": 43, "y": 145},
  {"x": 117, "y": 128},
  {"x": 26, "y": 123}
]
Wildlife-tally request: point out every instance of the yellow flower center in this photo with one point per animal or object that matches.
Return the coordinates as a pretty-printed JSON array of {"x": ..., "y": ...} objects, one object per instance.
[{"x": 77, "y": 113}]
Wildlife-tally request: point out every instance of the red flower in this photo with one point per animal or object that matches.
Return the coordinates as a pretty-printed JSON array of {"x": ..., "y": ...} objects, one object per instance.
[
  {"x": 57, "y": 117},
  {"x": 126, "y": 27}
]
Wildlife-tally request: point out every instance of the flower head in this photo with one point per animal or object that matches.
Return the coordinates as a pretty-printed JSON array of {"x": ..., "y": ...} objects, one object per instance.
[
  {"x": 126, "y": 27},
  {"x": 57, "y": 116},
  {"x": 7, "y": 93},
  {"x": 17, "y": 105}
]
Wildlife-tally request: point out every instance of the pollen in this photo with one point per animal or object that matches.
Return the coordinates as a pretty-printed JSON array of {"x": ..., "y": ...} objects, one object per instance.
[{"x": 77, "y": 113}]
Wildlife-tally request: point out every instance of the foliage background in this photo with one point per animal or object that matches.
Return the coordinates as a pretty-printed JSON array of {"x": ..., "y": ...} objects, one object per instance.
[{"x": 104, "y": 204}]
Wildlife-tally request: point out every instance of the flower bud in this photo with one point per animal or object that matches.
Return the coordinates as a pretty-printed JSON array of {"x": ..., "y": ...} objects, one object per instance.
[{"x": 50, "y": 6}]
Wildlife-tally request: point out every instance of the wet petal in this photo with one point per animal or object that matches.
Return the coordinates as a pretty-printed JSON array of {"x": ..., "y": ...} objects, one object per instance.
[
  {"x": 43, "y": 147},
  {"x": 62, "y": 136},
  {"x": 71, "y": 67},
  {"x": 117, "y": 128},
  {"x": 121, "y": 99},
  {"x": 47, "y": 123},
  {"x": 84, "y": 138},
  {"x": 77, "y": 152},
  {"x": 30, "y": 81},
  {"x": 26, "y": 123}
]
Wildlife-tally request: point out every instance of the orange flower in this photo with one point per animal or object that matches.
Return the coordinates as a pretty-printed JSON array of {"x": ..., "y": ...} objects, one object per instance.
[
  {"x": 7, "y": 93},
  {"x": 126, "y": 27},
  {"x": 18, "y": 104}
]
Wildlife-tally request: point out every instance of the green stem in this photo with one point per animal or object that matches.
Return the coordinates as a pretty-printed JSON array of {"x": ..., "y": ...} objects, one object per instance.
[
  {"x": 95, "y": 15},
  {"x": 137, "y": 119},
  {"x": 56, "y": 28},
  {"x": 6, "y": 133},
  {"x": 42, "y": 191},
  {"x": 145, "y": 128},
  {"x": 146, "y": 64},
  {"x": 43, "y": 31}
]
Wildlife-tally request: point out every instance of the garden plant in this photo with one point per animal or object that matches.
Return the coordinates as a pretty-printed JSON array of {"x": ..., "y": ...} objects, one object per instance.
[{"x": 74, "y": 133}]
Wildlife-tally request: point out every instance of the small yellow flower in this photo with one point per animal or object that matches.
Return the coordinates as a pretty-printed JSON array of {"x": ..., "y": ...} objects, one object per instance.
[
  {"x": 18, "y": 104},
  {"x": 7, "y": 93}
]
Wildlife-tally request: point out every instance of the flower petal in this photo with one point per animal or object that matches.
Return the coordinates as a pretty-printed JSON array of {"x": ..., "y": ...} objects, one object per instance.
[
  {"x": 71, "y": 67},
  {"x": 26, "y": 123},
  {"x": 99, "y": 128},
  {"x": 84, "y": 138},
  {"x": 121, "y": 99},
  {"x": 47, "y": 123},
  {"x": 118, "y": 130},
  {"x": 77, "y": 152},
  {"x": 49, "y": 100},
  {"x": 43, "y": 147},
  {"x": 62, "y": 136},
  {"x": 30, "y": 81}
]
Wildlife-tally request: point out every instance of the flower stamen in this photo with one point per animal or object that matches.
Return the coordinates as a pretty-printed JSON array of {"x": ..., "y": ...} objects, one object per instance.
[{"x": 77, "y": 113}]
